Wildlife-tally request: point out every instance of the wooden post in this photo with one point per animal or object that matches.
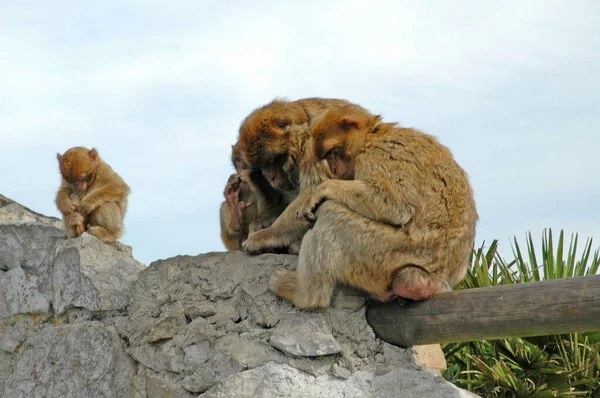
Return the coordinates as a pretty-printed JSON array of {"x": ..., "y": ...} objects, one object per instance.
[{"x": 519, "y": 310}]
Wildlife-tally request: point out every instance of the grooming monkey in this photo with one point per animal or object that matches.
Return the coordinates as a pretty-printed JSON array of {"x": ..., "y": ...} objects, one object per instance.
[
  {"x": 276, "y": 139},
  {"x": 398, "y": 219},
  {"x": 251, "y": 203},
  {"x": 92, "y": 197}
]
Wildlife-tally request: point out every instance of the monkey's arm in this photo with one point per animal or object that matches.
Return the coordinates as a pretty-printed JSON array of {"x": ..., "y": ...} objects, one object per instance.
[
  {"x": 231, "y": 237},
  {"x": 267, "y": 218},
  {"x": 371, "y": 197},
  {"x": 111, "y": 192},
  {"x": 286, "y": 231},
  {"x": 63, "y": 200}
]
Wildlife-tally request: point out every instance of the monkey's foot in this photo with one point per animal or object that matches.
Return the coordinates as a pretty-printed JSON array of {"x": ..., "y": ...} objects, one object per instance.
[
  {"x": 284, "y": 283},
  {"x": 102, "y": 233},
  {"x": 416, "y": 291},
  {"x": 255, "y": 245}
]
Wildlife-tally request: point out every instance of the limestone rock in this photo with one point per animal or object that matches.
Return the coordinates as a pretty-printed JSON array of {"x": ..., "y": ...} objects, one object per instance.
[
  {"x": 22, "y": 294},
  {"x": 305, "y": 335},
  {"x": 274, "y": 381},
  {"x": 82, "y": 318},
  {"x": 64, "y": 361},
  {"x": 91, "y": 274}
]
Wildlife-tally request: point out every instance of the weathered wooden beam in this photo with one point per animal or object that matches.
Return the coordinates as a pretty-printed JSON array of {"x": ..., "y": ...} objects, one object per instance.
[{"x": 519, "y": 310}]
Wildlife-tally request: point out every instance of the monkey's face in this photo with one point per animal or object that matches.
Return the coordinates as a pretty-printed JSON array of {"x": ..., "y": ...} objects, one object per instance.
[
  {"x": 281, "y": 173},
  {"x": 265, "y": 141},
  {"x": 240, "y": 165},
  {"x": 340, "y": 166},
  {"x": 78, "y": 167},
  {"x": 237, "y": 160}
]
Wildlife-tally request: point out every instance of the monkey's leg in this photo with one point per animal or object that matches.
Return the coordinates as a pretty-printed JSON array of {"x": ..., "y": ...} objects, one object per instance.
[
  {"x": 106, "y": 222},
  {"x": 310, "y": 286},
  {"x": 71, "y": 229}
]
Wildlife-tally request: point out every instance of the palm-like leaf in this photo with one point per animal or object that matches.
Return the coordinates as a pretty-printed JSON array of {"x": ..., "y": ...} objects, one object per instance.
[{"x": 546, "y": 366}]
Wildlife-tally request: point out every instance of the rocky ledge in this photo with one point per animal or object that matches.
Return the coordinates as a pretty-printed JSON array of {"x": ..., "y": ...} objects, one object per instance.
[{"x": 80, "y": 318}]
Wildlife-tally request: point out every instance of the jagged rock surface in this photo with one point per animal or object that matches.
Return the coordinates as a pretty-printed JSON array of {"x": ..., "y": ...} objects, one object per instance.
[{"x": 80, "y": 318}]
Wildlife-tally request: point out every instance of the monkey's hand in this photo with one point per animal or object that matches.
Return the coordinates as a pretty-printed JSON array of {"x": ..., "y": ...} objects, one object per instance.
[
  {"x": 309, "y": 207},
  {"x": 86, "y": 207},
  {"x": 233, "y": 184},
  {"x": 67, "y": 206},
  {"x": 255, "y": 243},
  {"x": 244, "y": 175}
]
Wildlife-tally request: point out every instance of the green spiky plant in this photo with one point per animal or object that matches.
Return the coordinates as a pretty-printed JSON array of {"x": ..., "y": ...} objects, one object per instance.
[{"x": 548, "y": 366}]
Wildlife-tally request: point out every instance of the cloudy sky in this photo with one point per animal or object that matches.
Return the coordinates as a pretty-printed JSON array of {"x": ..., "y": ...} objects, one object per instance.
[{"x": 160, "y": 88}]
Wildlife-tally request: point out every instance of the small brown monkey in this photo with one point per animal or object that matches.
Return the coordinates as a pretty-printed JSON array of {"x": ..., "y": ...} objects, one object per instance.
[
  {"x": 399, "y": 220},
  {"x": 251, "y": 203},
  {"x": 92, "y": 197},
  {"x": 276, "y": 138}
]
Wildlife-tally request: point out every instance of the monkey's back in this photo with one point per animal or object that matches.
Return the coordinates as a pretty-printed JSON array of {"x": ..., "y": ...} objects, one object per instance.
[{"x": 445, "y": 215}]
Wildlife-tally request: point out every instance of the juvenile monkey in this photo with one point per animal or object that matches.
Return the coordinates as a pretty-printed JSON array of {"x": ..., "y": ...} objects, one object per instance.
[
  {"x": 251, "y": 203},
  {"x": 276, "y": 139},
  {"x": 398, "y": 220},
  {"x": 92, "y": 197}
]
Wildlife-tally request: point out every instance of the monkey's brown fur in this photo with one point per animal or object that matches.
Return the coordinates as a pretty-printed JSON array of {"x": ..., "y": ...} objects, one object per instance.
[
  {"x": 91, "y": 197},
  {"x": 251, "y": 203},
  {"x": 276, "y": 138},
  {"x": 404, "y": 225}
]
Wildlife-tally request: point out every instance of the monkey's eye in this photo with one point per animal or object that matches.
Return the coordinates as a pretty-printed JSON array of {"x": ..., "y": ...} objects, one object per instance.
[
  {"x": 80, "y": 180},
  {"x": 282, "y": 123},
  {"x": 279, "y": 160}
]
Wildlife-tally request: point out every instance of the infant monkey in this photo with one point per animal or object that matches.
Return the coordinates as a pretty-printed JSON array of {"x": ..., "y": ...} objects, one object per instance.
[
  {"x": 92, "y": 197},
  {"x": 398, "y": 219},
  {"x": 251, "y": 203}
]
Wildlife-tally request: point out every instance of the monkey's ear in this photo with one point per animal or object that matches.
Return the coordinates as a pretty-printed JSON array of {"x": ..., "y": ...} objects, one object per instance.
[
  {"x": 349, "y": 122},
  {"x": 94, "y": 154},
  {"x": 58, "y": 156}
]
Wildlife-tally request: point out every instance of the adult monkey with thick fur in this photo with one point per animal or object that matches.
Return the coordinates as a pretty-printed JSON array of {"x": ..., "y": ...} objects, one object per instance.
[
  {"x": 398, "y": 220},
  {"x": 92, "y": 197},
  {"x": 276, "y": 139},
  {"x": 251, "y": 203}
]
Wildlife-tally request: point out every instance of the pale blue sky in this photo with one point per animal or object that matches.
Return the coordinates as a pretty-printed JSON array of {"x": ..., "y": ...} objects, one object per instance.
[{"x": 159, "y": 88}]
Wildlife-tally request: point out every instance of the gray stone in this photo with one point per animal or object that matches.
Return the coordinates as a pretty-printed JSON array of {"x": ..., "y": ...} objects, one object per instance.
[
  {"x": 197, "y": 331},
  {"x": 164, "y": 385},
  {"x": 28, "y": 238},
  {"x": 306, "y": 335},
  {"x": 248, "y": 353},
  {"x": 194, "y": 306},
  {"x": 4, "y": 312},
  {"x": 275, "y": 381},
  {"x": 21, "y": 293},
  {"x": 225, "y": 312},
  {"x": 28, "y": 245},
  {"x": 315, "y": 366},
  {"x": 91, "y": 274},
  {"x": 12, "y": 337},
  {"x": 162, "y": 356},
  {"x": 136, "y": 330},
  {"x": 72, "y": 361},
  {"x": 211, "y": 372},
  {"x": 172, "y": 320},
  {"x": 7, "y": 364},
  {"x": 196, "y": 354}
]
